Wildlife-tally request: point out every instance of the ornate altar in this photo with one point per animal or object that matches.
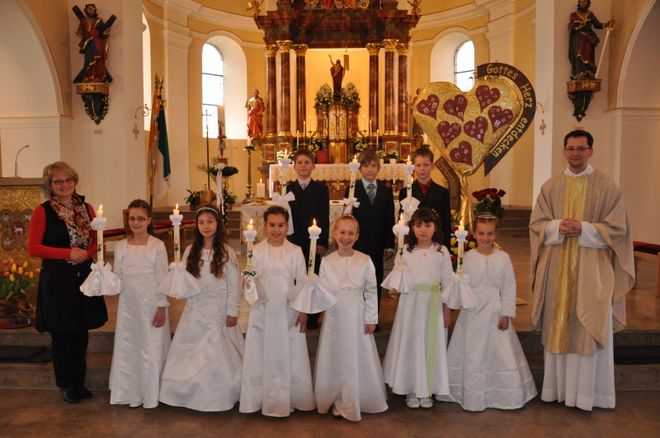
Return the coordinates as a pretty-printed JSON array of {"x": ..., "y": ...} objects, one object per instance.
[{"x": 300, "y": 25}]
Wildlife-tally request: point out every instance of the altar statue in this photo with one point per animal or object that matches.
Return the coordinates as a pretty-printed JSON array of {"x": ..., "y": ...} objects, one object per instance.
[
  {"x": 255, "y": 106},
  {"x": 337, "y": 73}
]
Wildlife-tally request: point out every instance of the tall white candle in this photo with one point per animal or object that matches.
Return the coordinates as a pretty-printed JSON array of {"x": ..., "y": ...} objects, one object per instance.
[
  {"x": 400, "y": 236},
  {"x": 377, "y": 132},
  {"x": 284, "y": 168},
  {"x": 176, "y": 219},
  {"x": 461, "y": 235},
  {"x": 250, "y": 234},
  {"x": 314, "y": 233},
  {"x": 99, "y": 237},
  {"x": 409, "y": 179}
]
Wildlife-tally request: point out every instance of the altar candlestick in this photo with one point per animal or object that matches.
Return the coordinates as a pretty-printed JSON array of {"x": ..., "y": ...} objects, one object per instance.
[
  {"x": 176, "y": 219},
  {"x": 354, "y": 166},
  {"x": 297, "y": 139},
  {"x": 314, "y": 233},
  {"x": 99, "y": 237},
  {"x": 261, "y": 189},
  {"x": 377, "y": 132},
  {"x": 304, "y": 129}
]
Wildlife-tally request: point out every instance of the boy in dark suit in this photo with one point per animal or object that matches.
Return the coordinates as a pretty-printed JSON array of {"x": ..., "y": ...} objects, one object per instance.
[
  {"x": 375, "y": 215},
  {"x": 312, "y": 202},
  {"x": 429, "y": 193}
]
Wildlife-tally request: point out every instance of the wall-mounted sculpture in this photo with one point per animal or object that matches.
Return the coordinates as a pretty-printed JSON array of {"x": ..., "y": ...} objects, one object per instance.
[{"x": 93, "y": 81}]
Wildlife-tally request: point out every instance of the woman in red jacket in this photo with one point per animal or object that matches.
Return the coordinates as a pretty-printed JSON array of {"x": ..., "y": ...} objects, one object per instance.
[{"x": 60, "y": 234}]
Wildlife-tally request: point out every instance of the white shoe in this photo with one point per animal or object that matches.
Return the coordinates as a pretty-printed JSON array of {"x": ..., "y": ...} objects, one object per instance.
[
  {"x": 426, "y": 402},
  {"x": 412, "y": 402},
  {"x": 335, "y": 411}
]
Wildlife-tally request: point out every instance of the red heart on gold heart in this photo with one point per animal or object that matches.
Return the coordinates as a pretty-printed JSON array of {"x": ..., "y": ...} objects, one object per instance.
[
  {"x": 448, "y": 131},
  {"x": 456, "y": 106},
  {"x": 429, "y": 106},
  {"x": 477, "y": 128},
  {"x": 462, "y": 154},
  {"x": 499, "y": 117},
  {"x": 486, "y": 95}
]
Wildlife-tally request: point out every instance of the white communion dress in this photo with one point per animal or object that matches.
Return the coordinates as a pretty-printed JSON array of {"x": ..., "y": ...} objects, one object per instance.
[
  {"x": 487, "y": 366},
  {"x": 203, "y": 368},
  {"x": 416, "y": 358},
  {"x": 348, "y": 371},
  {"x": 140, "y": 348},
  {"x": 276, "y": 372}
]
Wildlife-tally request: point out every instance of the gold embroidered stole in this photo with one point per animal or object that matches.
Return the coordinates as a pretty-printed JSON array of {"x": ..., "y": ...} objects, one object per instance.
[{"x": 574, "y": 200}]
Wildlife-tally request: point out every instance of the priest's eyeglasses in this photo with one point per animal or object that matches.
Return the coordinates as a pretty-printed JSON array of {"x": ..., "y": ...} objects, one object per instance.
[{"x": 580, "y": 150}]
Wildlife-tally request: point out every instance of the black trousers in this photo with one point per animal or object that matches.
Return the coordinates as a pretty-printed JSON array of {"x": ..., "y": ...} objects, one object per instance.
[{"x": 70, "y": 358}]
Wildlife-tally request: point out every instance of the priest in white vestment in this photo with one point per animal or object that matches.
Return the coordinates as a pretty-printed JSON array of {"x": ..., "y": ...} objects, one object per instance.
[{"x": 582, "y": 267}]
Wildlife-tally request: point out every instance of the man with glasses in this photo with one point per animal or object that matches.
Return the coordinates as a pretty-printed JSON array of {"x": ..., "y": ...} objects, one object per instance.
[{"x": 582, "y": 267}]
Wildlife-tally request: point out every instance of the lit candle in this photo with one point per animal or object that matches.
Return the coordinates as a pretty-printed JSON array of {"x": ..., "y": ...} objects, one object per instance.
[
  {"x": 354, "y": 165},
  {"x": 99, "y": 237},
  {"x": 314, "y": 233},
  {"x": 261, "y": 189},
  {"x": 176, "y": 219},
  {"x": 250, "y": 234}
]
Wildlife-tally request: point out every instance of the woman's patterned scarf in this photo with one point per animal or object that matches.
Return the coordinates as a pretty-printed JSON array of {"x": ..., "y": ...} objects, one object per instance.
[{"x": 76, "y": 218}]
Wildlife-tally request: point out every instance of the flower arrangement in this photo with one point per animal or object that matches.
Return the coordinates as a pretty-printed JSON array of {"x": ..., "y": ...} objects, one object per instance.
[
  {"x": 193, "y": 199},
  {"x": 380, "y": 153},
  {"x": 315, "y": 144},
  {"x": 360, "y": 144},
  {"x": 489, "y": 200},
  {"x": 15, "y": 281},
  {"x": 323, "y": 95},
  {"x": 281, "y": 154},
  {"x": 227, "y": 171},
  {"x": 470, "y": 243},
  {"x": 392, "y": 154},
  {"x": 350, "y": 95}
]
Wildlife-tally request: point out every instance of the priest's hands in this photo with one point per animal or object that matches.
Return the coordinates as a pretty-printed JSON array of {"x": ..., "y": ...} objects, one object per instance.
[
  {"x": 504, "y": 323},
  {"x": 302, "y": 322},
  {"x": 232, "y": 321},
  {"x": 159, "y": 317},
  {"x": 570, "y": 228},
  {"x": 369, "y": 329}
]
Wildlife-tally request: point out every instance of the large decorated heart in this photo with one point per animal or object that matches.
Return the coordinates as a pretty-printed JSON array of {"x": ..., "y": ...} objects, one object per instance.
[{"x": 466, "y": 126}]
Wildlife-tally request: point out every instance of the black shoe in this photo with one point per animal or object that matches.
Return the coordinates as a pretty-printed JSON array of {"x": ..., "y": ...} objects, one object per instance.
[
  {"x": 83, "y": 392},
  {"x": 70, "y": 395}
]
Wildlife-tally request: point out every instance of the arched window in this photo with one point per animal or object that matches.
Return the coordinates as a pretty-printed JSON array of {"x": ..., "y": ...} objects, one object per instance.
[
  {"x": 464, "y": 66},
  {"x": 212, "y": 88}
]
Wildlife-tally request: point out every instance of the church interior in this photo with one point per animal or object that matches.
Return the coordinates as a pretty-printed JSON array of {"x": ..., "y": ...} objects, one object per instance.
[{"x": 214, "y": 55}]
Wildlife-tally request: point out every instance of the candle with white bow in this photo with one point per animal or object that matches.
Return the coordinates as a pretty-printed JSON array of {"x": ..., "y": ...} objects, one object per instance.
[
  {"x": 284, "y": 168},
  {"x": 314, "y": 233},
  {"x": 354, "y": 165},
  {"x": 461, "y": 235},
  {"x": 176, "y": 220},
  {"x": 400, "y": 230},
  {"x": 250, "y": 234},
  {"x": 99, "y": 237}
]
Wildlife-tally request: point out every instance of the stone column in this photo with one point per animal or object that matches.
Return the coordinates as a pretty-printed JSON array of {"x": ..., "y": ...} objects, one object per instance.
[
  {"x": 301, "y": 101},
  {"x": 390, "y": 46},
  {"x": 271, "y": 91},
  {"x": 404, "y": 111},
  {"x": 285, "y": 88},
  {"x": 373, "y": 49}
]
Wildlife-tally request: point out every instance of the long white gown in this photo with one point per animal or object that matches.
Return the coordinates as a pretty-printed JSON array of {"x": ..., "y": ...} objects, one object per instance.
[
  {"x": 276, "y": 373},
  {"x": 140, "y": 348},
  {"x": 406, "y": 367},
  {"x": 203, "y": 368},
  {"x": 348, "y": 371},
  {"x": 487, "y": 366}
]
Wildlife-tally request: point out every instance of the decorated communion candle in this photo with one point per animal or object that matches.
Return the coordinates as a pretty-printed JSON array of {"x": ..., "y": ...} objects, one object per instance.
[
  {"x": 176, "y": 219},
  {"x": 250, "y": 234},
  {"x": 284, "y": 168},
  {"x": 409, "y": 179},
  {"x": 314, "y": 233},
  {"x": 99, "y": 237},
  {"x": 354, "y": 165},
  {"x": 461, "y": 234}
]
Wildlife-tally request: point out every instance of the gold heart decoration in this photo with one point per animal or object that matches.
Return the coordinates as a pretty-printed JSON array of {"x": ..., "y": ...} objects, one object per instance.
[{"x": 466, "y": 126}]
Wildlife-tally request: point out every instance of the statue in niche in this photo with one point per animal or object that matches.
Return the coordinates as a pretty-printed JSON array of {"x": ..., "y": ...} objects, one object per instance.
[
  {"x": 337, "y": 73},
  {"x": 583, "y": 40},
  {"x": 93, "y": 33},
  {"x": 255, "y": 106}
]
